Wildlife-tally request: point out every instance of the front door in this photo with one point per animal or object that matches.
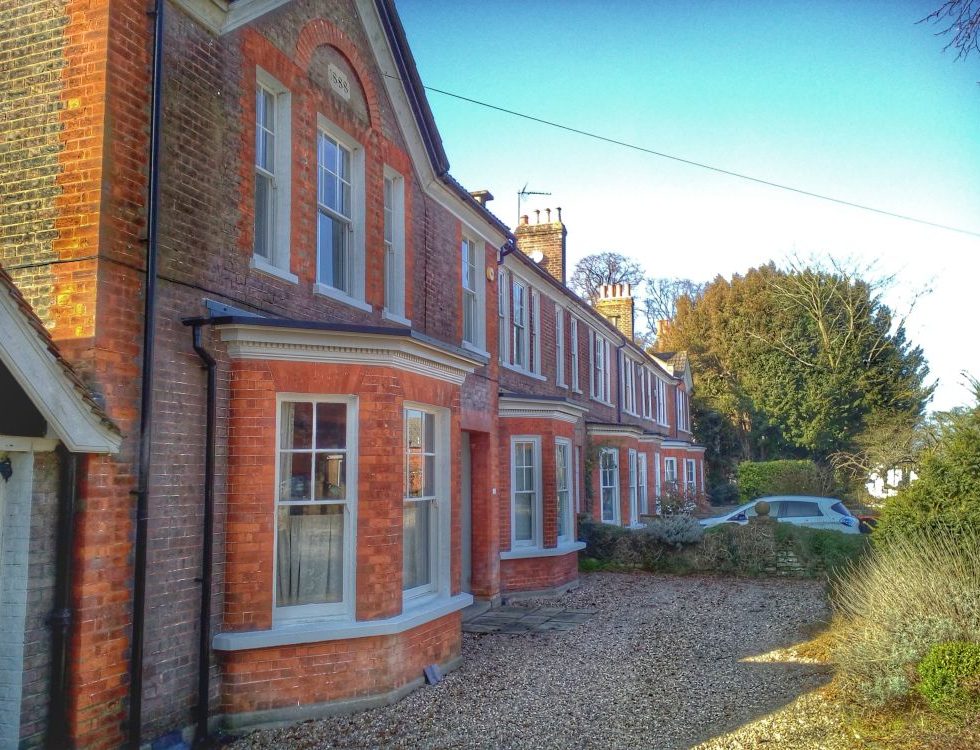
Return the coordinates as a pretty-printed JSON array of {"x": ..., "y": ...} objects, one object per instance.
[{"x": 466, "y": 514}]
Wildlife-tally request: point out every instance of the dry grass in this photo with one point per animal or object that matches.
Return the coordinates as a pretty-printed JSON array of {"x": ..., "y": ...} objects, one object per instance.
[{"x": 903, "y": 598}]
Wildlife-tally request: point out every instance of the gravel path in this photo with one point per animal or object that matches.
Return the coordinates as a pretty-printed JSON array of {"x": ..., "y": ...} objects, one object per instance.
[{"x": 664, "y": 663}]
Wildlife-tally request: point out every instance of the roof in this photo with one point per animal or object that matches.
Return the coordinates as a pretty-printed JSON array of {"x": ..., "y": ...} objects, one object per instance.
[
  {"x": 31, "y": 324},
  {"x": 409, "y": 74}
]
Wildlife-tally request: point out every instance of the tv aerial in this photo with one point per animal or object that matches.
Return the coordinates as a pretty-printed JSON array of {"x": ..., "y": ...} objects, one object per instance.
[{"x": 521, "y": 195}]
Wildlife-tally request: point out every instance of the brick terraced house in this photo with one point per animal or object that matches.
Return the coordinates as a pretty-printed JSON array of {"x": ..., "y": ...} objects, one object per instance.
[{"x": 281, "y": 398}]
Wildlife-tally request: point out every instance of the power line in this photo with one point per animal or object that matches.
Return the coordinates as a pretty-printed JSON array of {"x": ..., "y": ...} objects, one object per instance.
[{"x": 701, "y": 165}]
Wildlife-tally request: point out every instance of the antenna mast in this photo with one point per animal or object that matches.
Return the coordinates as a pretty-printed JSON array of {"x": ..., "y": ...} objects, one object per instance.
[{"x": 521, "y": 195}]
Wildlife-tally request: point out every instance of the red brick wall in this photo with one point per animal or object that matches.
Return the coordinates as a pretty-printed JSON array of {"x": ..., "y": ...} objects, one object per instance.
[
  {"x": 315, "y": 673},
  {"x": 536, "y": 573}
]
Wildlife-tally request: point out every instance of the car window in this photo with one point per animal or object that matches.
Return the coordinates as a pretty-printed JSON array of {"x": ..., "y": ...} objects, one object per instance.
[
  {"x": 799, "y": 509},
  {"x": 840, "y": 508}
]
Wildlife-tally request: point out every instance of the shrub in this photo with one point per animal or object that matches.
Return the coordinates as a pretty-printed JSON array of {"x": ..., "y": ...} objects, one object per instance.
[
  {"x": 900, "y": 601},
  {"x": 946, "y": 495},
  {"x": 674, "y": 501},
  {"x": 740, "y": 550},
  {"x": 950, "y": 678},
  {"x": 821, "y": 550},
  {"x": 674, "y": 531},
  {"x": 784, "y": 477}
]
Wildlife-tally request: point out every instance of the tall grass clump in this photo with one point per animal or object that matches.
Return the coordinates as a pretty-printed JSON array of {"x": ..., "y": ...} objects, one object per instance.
[{"x": 905, "y": 597}]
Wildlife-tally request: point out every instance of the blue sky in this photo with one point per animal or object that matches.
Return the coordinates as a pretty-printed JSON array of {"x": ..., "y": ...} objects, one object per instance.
[{"x": 853, "y": 100}]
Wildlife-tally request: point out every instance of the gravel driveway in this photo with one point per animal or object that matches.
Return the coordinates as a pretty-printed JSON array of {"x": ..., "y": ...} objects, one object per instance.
[{"x": 660, "y": 665}]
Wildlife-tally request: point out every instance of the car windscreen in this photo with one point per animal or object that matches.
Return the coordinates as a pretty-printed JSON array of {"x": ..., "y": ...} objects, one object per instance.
[{"x": 841, "y": 508}]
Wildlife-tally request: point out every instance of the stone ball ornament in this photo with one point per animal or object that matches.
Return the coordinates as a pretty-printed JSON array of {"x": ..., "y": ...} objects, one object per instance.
[{"x": 762, "y": 509}]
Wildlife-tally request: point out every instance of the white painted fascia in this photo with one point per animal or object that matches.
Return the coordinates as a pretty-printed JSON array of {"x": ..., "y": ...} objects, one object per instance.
[
  {"x": 523, "y": 553},
  {"x": 52, "y": 392},
  {"x": 533, "y": 408},
  {"x": 219, "y": 17},
  {"x": 609, "y": 430},
  {"x": 342, "y": 347},
  {"x": 682, "y": 444}
]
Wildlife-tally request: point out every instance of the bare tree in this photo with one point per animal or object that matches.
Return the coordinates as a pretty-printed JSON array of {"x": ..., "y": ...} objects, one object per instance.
[
  {"x": 659, "y": 300},
  {"x": 962, "y": 21},
  {"x": 595, "y": 270}
]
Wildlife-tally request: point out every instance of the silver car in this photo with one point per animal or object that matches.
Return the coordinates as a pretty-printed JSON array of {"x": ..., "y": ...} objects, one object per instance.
[{"x": 803, "y": 510}]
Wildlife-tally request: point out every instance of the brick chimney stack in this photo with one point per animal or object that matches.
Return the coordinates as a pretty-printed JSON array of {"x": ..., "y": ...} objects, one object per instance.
[
  {"x": 662, "y": 327},
  {"x": 615, "y": 304},
  {"x": 547, "y": 238}
]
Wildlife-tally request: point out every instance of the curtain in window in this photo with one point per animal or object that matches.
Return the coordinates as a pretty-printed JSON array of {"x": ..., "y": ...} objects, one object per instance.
[
  {"x": 310, "y": 565},
  {"x": 416, "y": 540}
]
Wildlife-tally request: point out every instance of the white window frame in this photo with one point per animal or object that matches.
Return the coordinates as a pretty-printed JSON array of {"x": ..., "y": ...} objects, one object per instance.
[
  {"x": 662, "y": 401},
  {"x": 277, "y": 263},
  {"x": 560, "y": 346},
  {"x": 343, "y": 610},
  {"x": 691, "y": 476},
  {"x": 641, "y": 487},
  {"x": 646, "y": 389},
  {"x": 627, "y": 381},
  {"x": 519, "y": 323},
  {"x": 573, "y": 334},
  {"x": 439, "y": 539},
  {"x": 657, "y": 481},
  {"x": 634, "y": 488},
  {"x": 577, "y": 478},
  {"x": 614, "y": 487},
  {"x": 564, "y": 445},
  {"x": 394, "y": 246},
  {"x": 354, "y": 294},
  {"x": 683, "y": 420},
  {"x": 536, "y": 539},
  {"x": 670, "y": 472},
  {"x": 534, "y": 331},
  {"x": 478, "y": 293},
  {"x": 503, "y": 316},
  {"x": 600, "y": 368}
]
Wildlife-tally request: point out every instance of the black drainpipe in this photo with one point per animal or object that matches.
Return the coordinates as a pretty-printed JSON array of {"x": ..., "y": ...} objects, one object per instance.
[
  {"x": 204, "y": 642},
  {"x": 135, "y": 723},
  {"x": 60, "y": 619}
]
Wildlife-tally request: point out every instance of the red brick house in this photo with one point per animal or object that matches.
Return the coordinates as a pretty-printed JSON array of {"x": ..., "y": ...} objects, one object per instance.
[{"x": 335, "y": 403}]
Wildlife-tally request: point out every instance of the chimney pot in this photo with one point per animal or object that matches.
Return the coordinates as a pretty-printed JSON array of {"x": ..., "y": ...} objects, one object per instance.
[
  {"x": 537, "y": 216},
  {"x": 547, "y": 212},
  {"x": 524, "y": 219},
  {"x": 559, "y": 213}
]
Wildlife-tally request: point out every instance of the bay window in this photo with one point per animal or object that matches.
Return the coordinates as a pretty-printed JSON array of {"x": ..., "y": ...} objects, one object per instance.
[
  {"x": 563, "y": 485},
  {"x": 641, "y": 486},
  {"x": 315, "y": 506},
  {"x": 420, "y": 522},
  {"x": 670, "y": 473},
  {"x": 690, "y": 478},
  {"x": 609, "y": 484},
  {"x": 525, "y": 492}
]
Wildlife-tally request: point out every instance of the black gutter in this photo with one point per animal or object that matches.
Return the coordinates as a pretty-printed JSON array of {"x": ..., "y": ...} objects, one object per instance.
[
  {"x": 60, "y": 620},
  {"x": 207, "y": 549},
  {"x": 135, "y": 723}
]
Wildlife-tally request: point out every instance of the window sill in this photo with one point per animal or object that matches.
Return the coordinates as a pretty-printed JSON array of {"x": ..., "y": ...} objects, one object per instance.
[
  {"x": 260, "y": 264},
  {"x": 600, "y": 401},
  {"x": 522, "y": 553},
  {"x": 522, "y": 371},
  {"x": 396, "y": 318},
  {"x": 328, "y": 291},
  {"x": 474, "y": 348},
  {"x": 319, "y": 632}
]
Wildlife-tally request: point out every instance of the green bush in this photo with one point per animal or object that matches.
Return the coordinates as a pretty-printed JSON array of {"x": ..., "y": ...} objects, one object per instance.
[
  {"x": 784, "y": 477},
  {"x": 900, "y": 601},
  {"x": 949, "y": 678},
  {"x": 821, "y": 550},
  {"x": 946, "y": 495}
]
